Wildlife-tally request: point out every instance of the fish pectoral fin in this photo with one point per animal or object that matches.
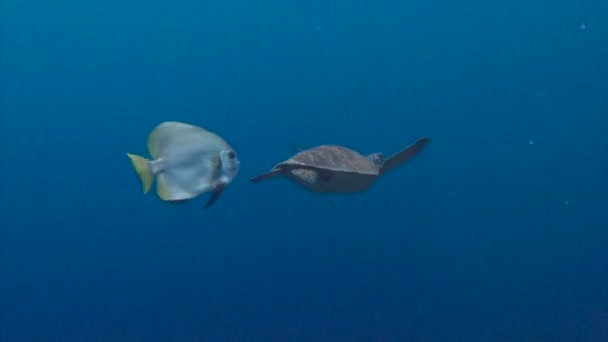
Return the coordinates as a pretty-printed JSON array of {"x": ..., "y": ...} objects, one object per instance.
[
  {"x": 217, "y": 191},
  {"x": 142, "y": 167}
]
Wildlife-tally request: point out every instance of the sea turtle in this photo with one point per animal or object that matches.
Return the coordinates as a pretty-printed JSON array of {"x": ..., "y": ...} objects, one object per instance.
[{"x": 338, "y": 169}]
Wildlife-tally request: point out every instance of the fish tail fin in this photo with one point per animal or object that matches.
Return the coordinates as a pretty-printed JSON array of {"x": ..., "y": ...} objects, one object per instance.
[{"x": 142, "y": 167}]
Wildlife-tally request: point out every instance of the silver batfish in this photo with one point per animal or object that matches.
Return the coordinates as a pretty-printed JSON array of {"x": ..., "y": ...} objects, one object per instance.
[{"x": 186, "y": 161}]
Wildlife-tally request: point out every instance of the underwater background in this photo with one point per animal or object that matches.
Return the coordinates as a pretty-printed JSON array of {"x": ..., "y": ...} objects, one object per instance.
[{"x": 496, "y": 231}]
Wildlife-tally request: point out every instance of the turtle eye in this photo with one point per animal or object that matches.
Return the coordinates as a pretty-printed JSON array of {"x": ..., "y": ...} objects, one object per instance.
[{"x": 231, "y": 155}]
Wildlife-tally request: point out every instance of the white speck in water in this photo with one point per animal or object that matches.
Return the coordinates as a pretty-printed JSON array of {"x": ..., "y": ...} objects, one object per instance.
[
  {"x": 583, "y": 26},
  {"x": 530, "y": 141}
]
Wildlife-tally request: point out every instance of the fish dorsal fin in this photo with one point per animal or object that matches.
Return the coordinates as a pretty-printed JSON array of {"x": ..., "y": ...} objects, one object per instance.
[{"x": 377, "y": 158}]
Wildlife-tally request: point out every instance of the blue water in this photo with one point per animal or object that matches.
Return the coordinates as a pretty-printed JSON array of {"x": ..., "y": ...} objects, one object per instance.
[{"x": 497, "y": 231}]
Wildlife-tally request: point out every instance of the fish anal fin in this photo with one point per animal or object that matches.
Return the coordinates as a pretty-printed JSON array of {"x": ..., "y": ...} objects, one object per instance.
[
  {"x": 162, "y": 188},
  {"x": 167, "y": 191}
]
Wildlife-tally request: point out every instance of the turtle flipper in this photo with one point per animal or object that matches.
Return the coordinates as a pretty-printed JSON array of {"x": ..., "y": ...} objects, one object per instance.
[
  {"x": 264, "y": 176},
  {"x": 404, "y": 155},
  {"x": 311, "y": 176}
]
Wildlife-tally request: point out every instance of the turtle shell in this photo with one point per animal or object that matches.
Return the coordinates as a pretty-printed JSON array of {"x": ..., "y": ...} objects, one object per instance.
[{"x": 334, "y": 158}]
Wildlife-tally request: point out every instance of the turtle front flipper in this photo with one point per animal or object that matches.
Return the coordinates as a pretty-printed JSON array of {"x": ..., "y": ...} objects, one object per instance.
[
  {"x": 404, "y": 155},
  {"x": 264, "y": 176}
]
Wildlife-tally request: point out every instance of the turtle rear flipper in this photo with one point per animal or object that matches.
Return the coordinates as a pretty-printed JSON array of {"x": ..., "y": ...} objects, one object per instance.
[
  {"x": 264, "y": 176},
  {"x": 404, "y": 155},
  {"x": 312, "y": 176}
]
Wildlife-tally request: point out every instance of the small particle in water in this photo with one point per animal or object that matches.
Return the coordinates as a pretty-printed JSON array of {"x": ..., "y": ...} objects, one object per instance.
[
  {"x": 583, "y": 26},
  {"x": 530, "y": 141}
]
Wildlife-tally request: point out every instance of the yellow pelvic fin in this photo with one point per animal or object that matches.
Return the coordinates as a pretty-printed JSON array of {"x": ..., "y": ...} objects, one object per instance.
[{"x": 142, "y": 167}]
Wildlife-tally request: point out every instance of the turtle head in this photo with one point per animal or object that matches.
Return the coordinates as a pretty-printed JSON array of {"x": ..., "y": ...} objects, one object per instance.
[{"x": 377, "y": 158}]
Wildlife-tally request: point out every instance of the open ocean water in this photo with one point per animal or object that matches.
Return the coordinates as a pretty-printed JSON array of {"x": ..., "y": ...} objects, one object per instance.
[{"x": 497, "y": 231}]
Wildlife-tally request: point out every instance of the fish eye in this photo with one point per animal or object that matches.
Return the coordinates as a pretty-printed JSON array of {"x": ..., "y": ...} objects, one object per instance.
[{"x": 231, "y": 155}]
